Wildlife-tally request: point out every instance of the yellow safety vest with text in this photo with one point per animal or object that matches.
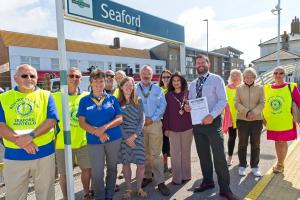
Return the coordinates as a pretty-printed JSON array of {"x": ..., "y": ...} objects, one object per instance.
[
  {"x": 78, "y": 137},
  {"x": 231, "y": 95},
  {"x": 164, "y": 90},
  {"x": 277, "y": 109},
  {"x": 24, "y": 112}
]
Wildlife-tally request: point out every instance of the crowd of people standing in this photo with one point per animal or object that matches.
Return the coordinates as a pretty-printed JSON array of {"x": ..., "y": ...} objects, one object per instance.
[{"x": 141, "y": 124}]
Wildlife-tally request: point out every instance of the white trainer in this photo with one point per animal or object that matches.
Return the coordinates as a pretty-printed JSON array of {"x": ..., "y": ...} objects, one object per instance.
[
  {"x": 242, "y": 171},
  {"x": 256, "y": 172}
]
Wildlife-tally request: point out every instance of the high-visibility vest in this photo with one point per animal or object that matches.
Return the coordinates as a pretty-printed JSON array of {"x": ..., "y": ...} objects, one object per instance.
[
  {"x": 231, "y": 95},
  {"x": 24, "y": 112},
  {"x": 78, "y": 135},
  {"x": 116, "y": 92},
  {"x": 277, "y": 109},
  {"x": 164, "y": 90}
]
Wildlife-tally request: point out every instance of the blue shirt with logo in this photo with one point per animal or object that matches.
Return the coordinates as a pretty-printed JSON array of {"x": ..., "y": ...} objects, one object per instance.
[{"x": 97, "y": 116}]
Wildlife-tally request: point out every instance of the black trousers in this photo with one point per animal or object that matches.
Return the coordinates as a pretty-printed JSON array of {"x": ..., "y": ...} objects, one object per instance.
[
  {"x": 231, "y": 140},
  {"x": 246, "y": 130},
  {"x": 209, "y": 138}
]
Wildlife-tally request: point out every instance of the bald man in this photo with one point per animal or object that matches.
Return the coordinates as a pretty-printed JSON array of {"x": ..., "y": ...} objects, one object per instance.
[{"x": 27, "y": 119}]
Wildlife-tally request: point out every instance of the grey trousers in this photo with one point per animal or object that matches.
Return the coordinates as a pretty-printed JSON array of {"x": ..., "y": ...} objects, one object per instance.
[
  {"x": 248, "y": 129},
  {"x": 99, "y": 154},
  {"x": 209, "y": 138}
]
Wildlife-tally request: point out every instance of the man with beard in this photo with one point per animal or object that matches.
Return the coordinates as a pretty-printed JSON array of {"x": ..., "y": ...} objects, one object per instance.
[
  {"x": 154, "y": 104},
  {"x": 27, "y": 119},
  {"x": 207, "y": 134}
]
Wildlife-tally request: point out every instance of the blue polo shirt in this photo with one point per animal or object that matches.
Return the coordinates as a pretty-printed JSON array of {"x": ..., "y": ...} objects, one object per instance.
[{"x": 98, "y": 116}]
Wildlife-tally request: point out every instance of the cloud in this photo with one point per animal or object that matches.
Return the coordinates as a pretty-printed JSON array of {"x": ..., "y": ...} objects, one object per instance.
[{"x": 242, "y": 33}]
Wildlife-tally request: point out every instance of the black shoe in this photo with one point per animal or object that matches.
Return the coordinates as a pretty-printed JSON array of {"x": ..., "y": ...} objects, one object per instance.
[
  {"x": 163, "y": 189},
  {"x": 204, "y": 186},
  {"x": 229, "y": 195},
  {"x": 117, "y": 188},
  {"x": 146, "y": 182}
]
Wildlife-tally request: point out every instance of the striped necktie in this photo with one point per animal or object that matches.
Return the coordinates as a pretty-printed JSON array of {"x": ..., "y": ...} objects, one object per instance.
[{"x": 199, "y": 86}]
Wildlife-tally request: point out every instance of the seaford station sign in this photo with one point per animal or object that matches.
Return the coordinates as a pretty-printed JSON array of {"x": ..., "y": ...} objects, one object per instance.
[{"x": 111, "y": 15}]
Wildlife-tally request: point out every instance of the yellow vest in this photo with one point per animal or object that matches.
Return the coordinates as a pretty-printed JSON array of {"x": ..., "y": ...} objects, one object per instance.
[
  {"x": 116, "y": 92},
  {"x": 24, "y": 112},
  {"x": 164, "y": 90},
  {"x": 231, "y": 95},
  {"x": 277, "y": 109},
  {"x": 78, "y": 138}
]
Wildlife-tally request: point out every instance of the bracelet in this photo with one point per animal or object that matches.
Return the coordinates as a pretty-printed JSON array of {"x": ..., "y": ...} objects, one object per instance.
[{"x": 32, "y": 134}]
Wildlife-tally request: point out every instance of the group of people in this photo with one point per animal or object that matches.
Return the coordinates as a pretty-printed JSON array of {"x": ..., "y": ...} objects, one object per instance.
[{"x": 135, "y": 124}]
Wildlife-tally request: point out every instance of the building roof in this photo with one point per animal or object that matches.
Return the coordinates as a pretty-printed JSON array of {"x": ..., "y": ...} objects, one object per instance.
[
  {"x": 229, "y": 48},
  {"x": 45, "y": 42},
  {"x": 283, "y": 55},
  {"x": 292, "y": 37},
  {"x": 204, "y": 52}
]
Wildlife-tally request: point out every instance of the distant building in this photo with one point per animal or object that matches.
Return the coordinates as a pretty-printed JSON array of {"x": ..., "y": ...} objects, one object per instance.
[
  {"x": 171, "y": 54},
  {"x": 289, "y": 52},
  {"x": 41, "y": 52},
  {"x": 232, "y": 61}
]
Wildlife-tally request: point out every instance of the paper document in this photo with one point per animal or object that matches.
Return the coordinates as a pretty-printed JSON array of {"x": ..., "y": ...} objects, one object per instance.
[{"x": 199, "y": 109}]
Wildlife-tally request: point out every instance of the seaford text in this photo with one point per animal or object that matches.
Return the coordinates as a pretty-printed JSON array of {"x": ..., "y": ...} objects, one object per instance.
[{"x": 120, "y": 16}]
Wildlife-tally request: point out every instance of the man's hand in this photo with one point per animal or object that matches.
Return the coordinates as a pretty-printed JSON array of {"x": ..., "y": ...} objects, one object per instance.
[
  {"x": 23, "y": 140},
  {"x": 99, "y": 131},
  {"x": 130, "y": 141},
  {"x": 104, "y": 137},
  {"x": 148, "y": 121},
  {"x": 167, "y": 133},
  {"x": 207, "y": 120},
  {"x": 31, "y": 148}
]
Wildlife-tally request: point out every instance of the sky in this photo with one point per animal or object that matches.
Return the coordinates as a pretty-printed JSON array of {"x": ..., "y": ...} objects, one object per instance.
[{"x": 241, "y": 24}]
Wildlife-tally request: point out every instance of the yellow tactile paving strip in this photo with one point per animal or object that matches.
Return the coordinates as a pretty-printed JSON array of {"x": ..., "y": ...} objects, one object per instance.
[{"x": 281, "y": 186}]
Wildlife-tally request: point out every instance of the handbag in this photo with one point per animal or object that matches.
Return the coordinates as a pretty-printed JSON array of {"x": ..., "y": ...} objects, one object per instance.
[{"x": 295, "y": 109}]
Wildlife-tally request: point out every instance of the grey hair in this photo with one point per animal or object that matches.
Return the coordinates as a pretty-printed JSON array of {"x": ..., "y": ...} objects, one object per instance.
[
  {"x": 74, "y": 69},
  {"x": 147, "y": 67},
  {"x": 121, "y": 72},
  {"x": 23, "y": 66},
  {"x": 280, "y": 68},
  {"x": 250, "y": 70}
]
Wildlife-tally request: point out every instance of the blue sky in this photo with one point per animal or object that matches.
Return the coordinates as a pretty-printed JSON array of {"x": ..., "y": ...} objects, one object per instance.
[{"x": 241, "y": 24}]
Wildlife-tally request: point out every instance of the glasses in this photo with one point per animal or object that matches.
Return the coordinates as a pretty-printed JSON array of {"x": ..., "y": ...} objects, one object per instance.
[
  {"x": 74, "y": 76},
  {"x": 24, "y": 76},
  {"x": 166, "y": 77},
  {"x": 278, "y": 73},
  {"x": 110, "y": 76}
]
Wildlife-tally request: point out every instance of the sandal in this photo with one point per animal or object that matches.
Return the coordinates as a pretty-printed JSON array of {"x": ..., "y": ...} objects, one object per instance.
[
  {"x": 127, "y": 194},
  {"x": 279, "y": 168},
  {"x": 141, "y": 193}
]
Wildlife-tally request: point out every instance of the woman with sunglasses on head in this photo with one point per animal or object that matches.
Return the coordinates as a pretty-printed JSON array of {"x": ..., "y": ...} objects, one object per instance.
[
  {"x": 229, "y": 116},
  {"x": 164, "y": 80},
  {"x": 132, "y": 145},
  {"x": 277, "y": 114},
  {"x": 178, "y": 127},
  {"x": 100, "y": 115}
]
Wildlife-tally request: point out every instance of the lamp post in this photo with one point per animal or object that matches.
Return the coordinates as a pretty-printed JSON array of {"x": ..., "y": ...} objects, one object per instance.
[
  {"x": 276, "y": 11},
  {"x": 206, "y": 20}
]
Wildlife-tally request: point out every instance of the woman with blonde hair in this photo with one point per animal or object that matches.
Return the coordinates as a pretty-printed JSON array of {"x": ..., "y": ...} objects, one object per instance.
[
  {"x": 277, "y": 114},
  {"x": 229, "y": 119},
  {"x": 132, "y": 145}
]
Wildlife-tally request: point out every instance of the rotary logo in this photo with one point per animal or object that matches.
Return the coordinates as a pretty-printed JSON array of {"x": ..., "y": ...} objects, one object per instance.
[
  {"x": 24, "y": 108},
  {"x": 276, "y": 105}
]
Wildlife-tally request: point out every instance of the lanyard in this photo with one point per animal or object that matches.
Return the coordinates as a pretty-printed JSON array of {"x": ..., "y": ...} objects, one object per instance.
[
  {"x": 98, "y": 103},
  {"x": 181, "y": 104},
  {"x": 143, "y": 92}
]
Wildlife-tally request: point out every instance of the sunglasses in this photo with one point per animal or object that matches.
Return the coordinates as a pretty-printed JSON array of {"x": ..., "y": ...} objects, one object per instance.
[
  {"x": 278, "y": 73},
  {"x": 110, "y": 76},
  {"x": 24, "y": 76},
  {"x": 74, "y": 76},
  {"x": 166, "y": 77}
]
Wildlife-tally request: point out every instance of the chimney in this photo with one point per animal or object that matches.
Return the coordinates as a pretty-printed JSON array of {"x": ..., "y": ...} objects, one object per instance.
[
  {"x": 116, "y": 44},
  {"x": 295, "y": 26},
  {"x": 285, "y": 41}
]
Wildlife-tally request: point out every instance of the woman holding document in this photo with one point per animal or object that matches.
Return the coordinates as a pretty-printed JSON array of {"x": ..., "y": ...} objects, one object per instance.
[{"x": 178, "y": 127}]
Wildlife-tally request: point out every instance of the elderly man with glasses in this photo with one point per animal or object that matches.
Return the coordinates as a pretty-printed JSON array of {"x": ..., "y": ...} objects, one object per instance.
[{"x": 27, "y": 119}]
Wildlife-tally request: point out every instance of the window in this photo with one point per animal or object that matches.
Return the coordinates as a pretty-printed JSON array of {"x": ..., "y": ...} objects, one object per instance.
[
  {"x": 33, "y": 61},
  {"x": 172, "y": 57},
  {"x": 158, "y": 69},
  {"x": 96, "y": 64},
  {"x": 120, "y": 66},
  {"x": 137, "y": 68},
  {"x": 73, "y": 63},
  {"x": 54, "y": 64}
]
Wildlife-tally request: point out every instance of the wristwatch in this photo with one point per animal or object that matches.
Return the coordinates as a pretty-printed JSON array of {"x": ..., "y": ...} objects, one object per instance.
[{"x": 32, "y": 134}]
